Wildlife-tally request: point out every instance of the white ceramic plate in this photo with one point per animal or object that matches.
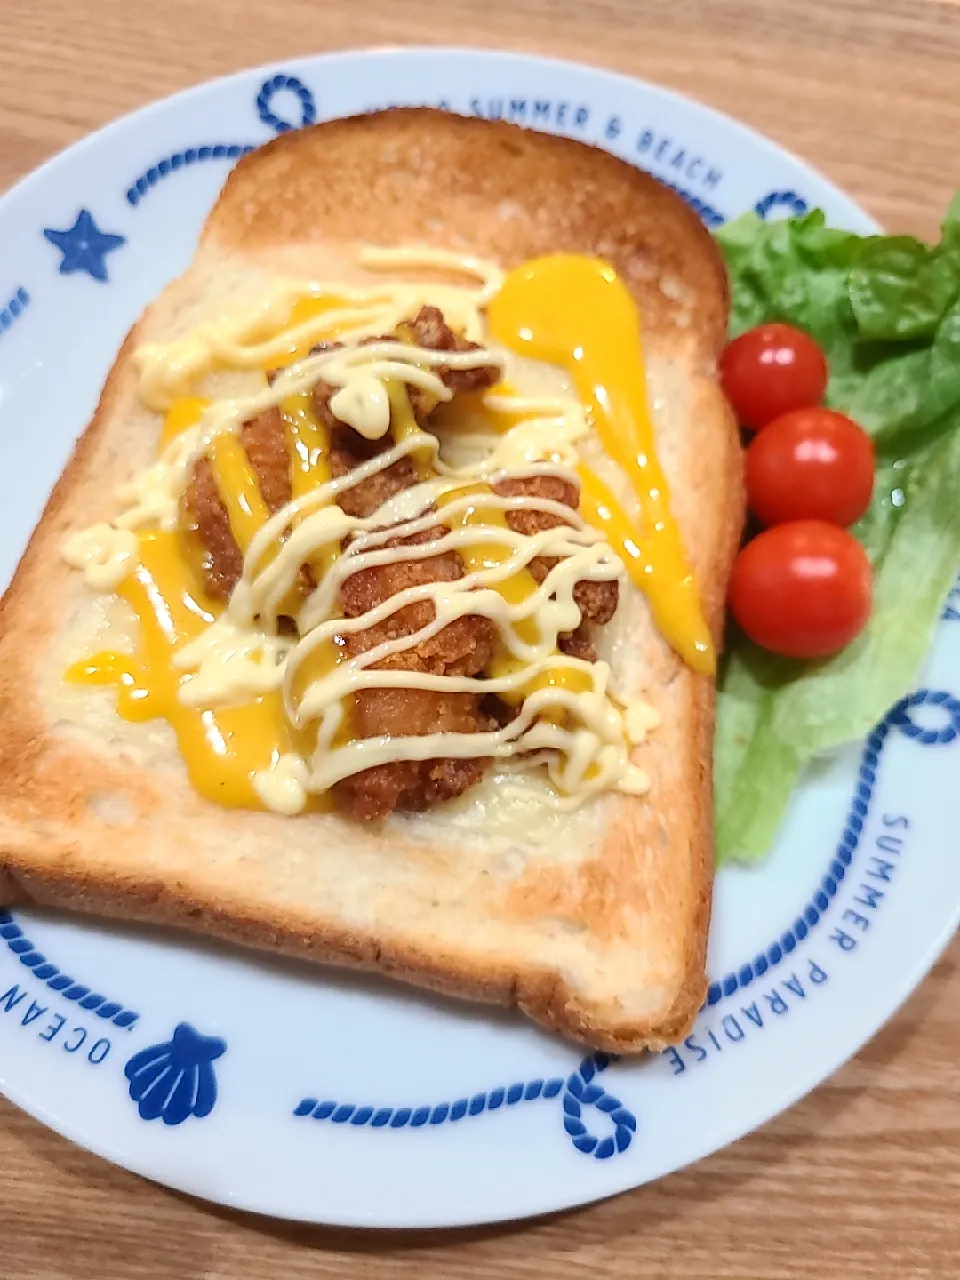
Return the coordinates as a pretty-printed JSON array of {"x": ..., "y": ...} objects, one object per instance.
[{"x": 335, "y": 1099}]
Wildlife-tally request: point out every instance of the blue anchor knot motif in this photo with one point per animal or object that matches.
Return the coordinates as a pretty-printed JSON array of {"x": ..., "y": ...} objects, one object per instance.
[
  {"x": 290, "y": 90},
  {"x": 577, "y": 1093},
  {"x": 582, "y": 1090},
  {"x": 789, "y": 202}
]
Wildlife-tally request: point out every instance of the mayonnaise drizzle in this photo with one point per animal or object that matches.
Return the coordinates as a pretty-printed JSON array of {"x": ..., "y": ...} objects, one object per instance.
[
  {"x": 549, "y": 430},
  {"x": 154, "y": 494},
  {"x": 364, "y": 405},
  {"x": 488, "y": 274},
  {"x": 105, "y": 554},
  {"x": 570, "y": 719},
  {"x": 168, "y": 370},
  {"x": 596, "y": 751},
  {"x": 230, "y": 664},
  {"x": 582, "y": 761},
  {"x": 283, "y": 787}
]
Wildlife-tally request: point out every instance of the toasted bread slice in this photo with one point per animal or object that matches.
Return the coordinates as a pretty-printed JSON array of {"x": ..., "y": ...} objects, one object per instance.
[{"x": 594, "y": 924}]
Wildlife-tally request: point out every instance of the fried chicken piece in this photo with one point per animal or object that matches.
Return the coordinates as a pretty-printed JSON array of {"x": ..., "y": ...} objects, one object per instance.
[
  {"x": 205, "y": 513},
  {"x": 349, "y": 450},
  {"x": 205, "y": 516},
  {"x": 463, "y": 647},
  {"x": 549, "y": 488},
  {"x": 429, "y": 329},
  {"x": 597, "y": 601},
  {"x": 265, "y": 440},
  {"x": 577, "y": 644},
  {"x": 410, "y": 784}
]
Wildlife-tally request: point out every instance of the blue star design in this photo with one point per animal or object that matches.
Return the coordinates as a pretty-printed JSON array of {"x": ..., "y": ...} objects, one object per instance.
[{"x": 84, "y": 246}]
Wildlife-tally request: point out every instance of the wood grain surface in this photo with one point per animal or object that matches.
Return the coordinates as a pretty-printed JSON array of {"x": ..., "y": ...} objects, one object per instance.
[{"x": 862, "y": 1179}]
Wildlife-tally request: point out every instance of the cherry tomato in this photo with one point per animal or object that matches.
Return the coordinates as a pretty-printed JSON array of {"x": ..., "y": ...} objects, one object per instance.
[
  {"x": 770, "y": 370},
  {"x": 802, "y": 589},
  {"x": 811, "y": 464}
]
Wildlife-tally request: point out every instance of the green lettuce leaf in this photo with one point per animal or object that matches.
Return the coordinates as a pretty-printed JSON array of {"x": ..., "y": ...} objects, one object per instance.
[{"x": 886, "y": 310}]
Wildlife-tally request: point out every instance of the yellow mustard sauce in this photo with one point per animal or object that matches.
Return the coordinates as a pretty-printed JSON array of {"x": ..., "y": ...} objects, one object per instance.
[
  {"x": 224, "y": 748},
  {"x": 182, "y": 415},
  {"x": 516, "y": 589},
  {"x": 303, "y": 311},
  {"x": 564, "y": 310},
  {"x": 221, "y": 749},
  {"x": 239, "y": 489},
  {"x": 575, "y": 312},
  {"x": 308, "y": 442}
]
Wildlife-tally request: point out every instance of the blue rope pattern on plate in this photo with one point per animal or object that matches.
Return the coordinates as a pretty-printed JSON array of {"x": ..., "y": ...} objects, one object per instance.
[
  {"x": 951, "y": 612},
  {"x": 181, "y": 160},
  {"x": 68, "y": 988},
  {"x": 813, "y": 912},
  {"x": 308, "y": 106},
  {"x": 15, "y": 307},
  {"x": 711, "y": 216},
  {"x": 789, "y": 200},
  {"x": 576, "y": 1091},
  {"x": 230, "y": 150}
]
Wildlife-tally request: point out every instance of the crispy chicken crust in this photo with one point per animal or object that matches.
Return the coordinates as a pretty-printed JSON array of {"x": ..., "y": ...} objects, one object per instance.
[{"x": 464, "y": 647}]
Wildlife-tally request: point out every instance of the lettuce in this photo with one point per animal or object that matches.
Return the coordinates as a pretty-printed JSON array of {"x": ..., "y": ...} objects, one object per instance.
[{"x": 886, "y": 310}]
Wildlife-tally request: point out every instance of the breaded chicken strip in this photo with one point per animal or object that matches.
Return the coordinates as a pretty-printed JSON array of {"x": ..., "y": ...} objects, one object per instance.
[
  {"x": 463, "y": 647},
  {"x": 597, "y": 601}
]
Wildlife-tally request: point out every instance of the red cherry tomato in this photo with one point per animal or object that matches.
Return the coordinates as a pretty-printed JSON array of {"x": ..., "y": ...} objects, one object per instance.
[
  {"x": 803, "y": 589},
  {"x": 811, "y": 464},
  {"x": 770, "y": 370}
]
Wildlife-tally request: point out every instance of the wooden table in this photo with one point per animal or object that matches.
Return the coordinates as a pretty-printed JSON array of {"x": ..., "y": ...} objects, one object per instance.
[{"x": 863, "y": 1178}]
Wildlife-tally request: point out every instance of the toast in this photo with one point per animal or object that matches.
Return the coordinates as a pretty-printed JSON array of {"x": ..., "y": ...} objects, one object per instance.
[{"x": 594, "y": 923}]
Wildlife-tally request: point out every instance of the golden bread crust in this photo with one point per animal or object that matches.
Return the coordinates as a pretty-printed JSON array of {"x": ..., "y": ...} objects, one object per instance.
[{"x": 605, "y": 944}]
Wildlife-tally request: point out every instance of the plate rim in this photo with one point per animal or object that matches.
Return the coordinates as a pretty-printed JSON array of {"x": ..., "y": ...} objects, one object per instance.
[
  {"x": 866, "y": 1023},
  {"x": 437, "y": 1223},
  {"x": 390, "y": 52}
]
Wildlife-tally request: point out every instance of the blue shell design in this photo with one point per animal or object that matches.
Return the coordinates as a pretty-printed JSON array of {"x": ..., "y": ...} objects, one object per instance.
[
  {"x": 176, "y": 1080},
  {"x": 576, "y": 1092}
]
